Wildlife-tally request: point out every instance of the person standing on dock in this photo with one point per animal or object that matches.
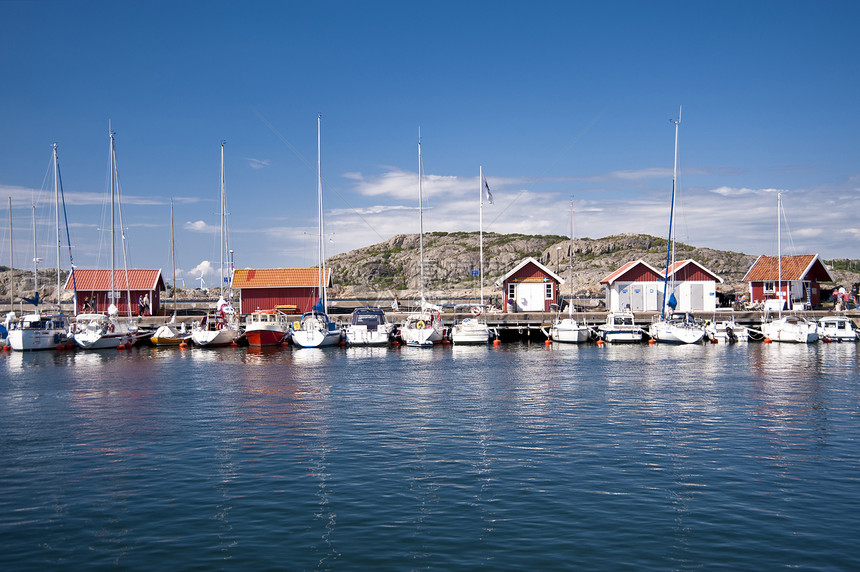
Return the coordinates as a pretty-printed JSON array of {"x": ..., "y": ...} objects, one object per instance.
[
  {"x": 395, "y": 305},
  {"x": 146, "y": 308}
]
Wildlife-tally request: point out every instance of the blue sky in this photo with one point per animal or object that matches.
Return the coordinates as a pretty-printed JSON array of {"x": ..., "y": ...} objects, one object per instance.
[{"x": 554, "y": 99}]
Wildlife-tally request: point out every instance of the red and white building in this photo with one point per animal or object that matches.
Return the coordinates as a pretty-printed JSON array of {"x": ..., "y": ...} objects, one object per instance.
[
  {"x": 801, "y": 278},
  {"x": 268, "y": 288},
  {"x": 637, "y": 286},
  {"x": 532, "y": 286},
  {"x": 95, "y": 286}
]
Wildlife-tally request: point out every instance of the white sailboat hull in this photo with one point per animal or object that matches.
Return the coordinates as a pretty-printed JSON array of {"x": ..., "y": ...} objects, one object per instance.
[
  {"x": 569, "y": 331},
  {"x": 620, "y": 336},
  {"x": 790, "y": 330},
  {"x": 676, "y": 333},
  {"x": 215, "y": 337},
  {"x": 316, "y": 338},
  {"x": 421, "y": 337}
]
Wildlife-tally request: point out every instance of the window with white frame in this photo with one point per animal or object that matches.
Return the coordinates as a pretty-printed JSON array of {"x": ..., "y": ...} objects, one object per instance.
[
  {"x": 512, "y": 291},
  {"x": 548, "y": 291},
  {"x": 769, "y": 287}
]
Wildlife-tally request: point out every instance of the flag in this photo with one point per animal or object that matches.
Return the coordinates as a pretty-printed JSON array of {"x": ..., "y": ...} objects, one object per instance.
[{"x": 485, "y": 188}]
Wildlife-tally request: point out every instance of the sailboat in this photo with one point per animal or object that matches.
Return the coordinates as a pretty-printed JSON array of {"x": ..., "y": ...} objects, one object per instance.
[
  {"x": 424, "y": 327},
  {"x": 315, "y": 328},
  {"x": 38, "y": 331},
  {"x": 221, "y": 328},
  {"x": 474, "y": 330},
  {"x": 94, "y": 331},
  {"x": 676, "y": 327},
  {"x": 171, "y": 333},
  {"x": 568, "y": 329},
  {"x": 791, "y": 328}
]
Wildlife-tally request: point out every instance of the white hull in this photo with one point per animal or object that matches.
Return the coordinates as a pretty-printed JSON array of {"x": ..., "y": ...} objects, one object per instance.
[
  {"x": 421, "y": 337},
  {"x": 98, "y": 332},
  {"x": 27, "y": 340},
  {"x": 720, "y": 331},
  {"x": 470, "y": 331},
  {"x": 620, "y": 328},
  {"x": 316, "y": 338},
  {"x": 569, "y": 331},
  {"x": 223, "y": 337},
  {"x": 837, "y": 329},
  {"x": 357, "y": 335},
  {"x": 791, "y": 330},
  {"x": 620, "y": 336},
  {"x": 676, "y": 333}
]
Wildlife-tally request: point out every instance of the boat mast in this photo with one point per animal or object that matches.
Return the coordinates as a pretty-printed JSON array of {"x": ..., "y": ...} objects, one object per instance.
[
  {"x": 779, "y": 251},
  {"x": 57, "y": 217},
  {"x": 670, "y": 253},
  {"x": 173, "y": 256},
  {"x": 320, "y": 242},
  {"x": 570, "y": 266},
  {"x": 123, "y": 242},
  {"x": 481, "y": 227},
  {"x": 36, "y": 261},
  {"x": 420, "y": 221},
  {"x": 11, "y": 259},
  {"x": 221, "y": 255},
  {"x": 112, "y": 226}
]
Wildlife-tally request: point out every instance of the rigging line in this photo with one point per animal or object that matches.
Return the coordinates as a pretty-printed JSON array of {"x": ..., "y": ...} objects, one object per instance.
[
  {"x": 554, "y": 160},
  {"x": 312, "y": 168}
]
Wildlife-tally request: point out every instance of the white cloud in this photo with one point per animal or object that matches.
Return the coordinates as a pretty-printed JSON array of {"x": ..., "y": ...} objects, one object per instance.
[
  {"x": 200, "y": 226},
  {"x": 257, "y": 163}
]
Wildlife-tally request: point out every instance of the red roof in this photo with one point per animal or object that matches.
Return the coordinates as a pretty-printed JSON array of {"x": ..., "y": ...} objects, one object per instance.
[
  {"x": 138, "y": 279},
  {"x": 646, "y": 269},
  {"x": 278, "y": 277},
  {"x": 702, "y": 273},
  {"x": 794, "y": 267}
]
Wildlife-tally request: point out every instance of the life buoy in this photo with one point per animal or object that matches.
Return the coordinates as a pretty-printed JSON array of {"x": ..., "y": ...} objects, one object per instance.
[
  {"x": 297, "y": 325},
  {"x": 220, "y": 326},
  {"x": 476, "y": 311},
  {"x": 420, "y": 325}
]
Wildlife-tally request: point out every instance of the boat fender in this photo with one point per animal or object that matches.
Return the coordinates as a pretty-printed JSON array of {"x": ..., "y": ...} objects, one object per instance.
[
  {"x": 111, "y": 328},
  {"x": 297, "y": 325},
  {"x": 420, "y": 325}
]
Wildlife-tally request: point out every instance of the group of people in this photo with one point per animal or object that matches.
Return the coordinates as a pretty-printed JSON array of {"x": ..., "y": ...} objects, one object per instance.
[{"x": 143, "y": 305}]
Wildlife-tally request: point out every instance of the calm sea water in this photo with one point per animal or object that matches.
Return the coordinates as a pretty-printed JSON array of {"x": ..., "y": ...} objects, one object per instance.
[{"x": 518, "y": 456}]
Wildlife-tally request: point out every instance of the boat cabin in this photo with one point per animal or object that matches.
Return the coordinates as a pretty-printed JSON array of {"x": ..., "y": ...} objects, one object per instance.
[
  {"x": 278, "y": 288},
  {"x": 802, "y": 275},
  {"x": 94, "y": 290},
  {"x": 530, "y": 287}
]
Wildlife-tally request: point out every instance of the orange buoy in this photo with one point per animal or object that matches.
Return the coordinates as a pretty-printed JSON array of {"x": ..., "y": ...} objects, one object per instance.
[
  {"x": 599, "y": 342},
  {"x": 497, "y": 342},
  {"x": 767, "y": 341},
  {"x": 652, "y": 341},
  {"x": 547, "y": 342},
  {"x": 715, "y": 341},
  {"x": 827, "y": 340}
]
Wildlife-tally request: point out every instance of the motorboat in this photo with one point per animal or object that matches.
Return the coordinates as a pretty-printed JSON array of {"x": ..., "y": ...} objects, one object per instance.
[
  {"x": 315, "y": 330},
  {"x": 620, "y": 327},
  {"x": 837, "y": 329},
  {"x": 790, "y": 328},
  {"x": 39, "y": 332},
  {"x": 266, "y": 328},
  {"x": 368, "y": 327}
]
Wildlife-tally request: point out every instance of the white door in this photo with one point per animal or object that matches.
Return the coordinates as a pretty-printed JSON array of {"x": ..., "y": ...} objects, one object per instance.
[{"x": 530, "y": 297}]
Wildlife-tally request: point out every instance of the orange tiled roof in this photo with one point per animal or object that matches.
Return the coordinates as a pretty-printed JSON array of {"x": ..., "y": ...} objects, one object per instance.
[
  {"x": 278, "y": 277},
  {"x": 138, "y": 279},
  {"x": 794, "y": 267}
]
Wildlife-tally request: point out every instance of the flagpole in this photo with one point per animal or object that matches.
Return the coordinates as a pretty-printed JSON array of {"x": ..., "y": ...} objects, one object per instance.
[{"x": 481, "y": 224}]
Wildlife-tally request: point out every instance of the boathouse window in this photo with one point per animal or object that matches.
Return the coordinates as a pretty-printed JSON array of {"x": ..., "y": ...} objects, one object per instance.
[
  {"x": 512, "y": 291},
  {"x": 548, "y": 291},
  {"x": 768, "y": 287}
]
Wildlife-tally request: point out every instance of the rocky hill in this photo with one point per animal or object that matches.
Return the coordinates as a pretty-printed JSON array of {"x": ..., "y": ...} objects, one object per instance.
[{"x": 392, "y": 266}]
